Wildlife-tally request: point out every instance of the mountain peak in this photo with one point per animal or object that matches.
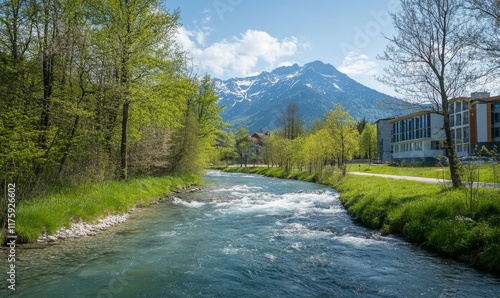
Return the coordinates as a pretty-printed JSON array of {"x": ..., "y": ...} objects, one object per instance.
[
  {"x": 256, "y": 102},
  {"x": 323, "y": 68},
  {"x": 283, "y": 70}
]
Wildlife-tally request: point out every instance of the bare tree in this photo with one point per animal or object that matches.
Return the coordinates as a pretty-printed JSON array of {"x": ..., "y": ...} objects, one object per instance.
[
  {"x": 487, "y": 14},
  {"x": 432, "y": 59},
  {"x": 290, "y": 122}
]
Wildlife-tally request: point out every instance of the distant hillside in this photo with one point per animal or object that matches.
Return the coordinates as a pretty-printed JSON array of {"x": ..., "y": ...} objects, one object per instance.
[{"x": 256, "y": 102}]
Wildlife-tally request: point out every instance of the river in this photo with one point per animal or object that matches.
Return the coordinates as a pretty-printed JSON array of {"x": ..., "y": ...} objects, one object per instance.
[{"x": 243, "y": 236}]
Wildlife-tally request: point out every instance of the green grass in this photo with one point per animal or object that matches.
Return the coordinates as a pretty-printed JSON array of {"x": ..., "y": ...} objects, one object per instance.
[
  {"x": 423, "y": 213},
  {"x": 90, "y": 202},
  {"x": 486, "y": 171}
]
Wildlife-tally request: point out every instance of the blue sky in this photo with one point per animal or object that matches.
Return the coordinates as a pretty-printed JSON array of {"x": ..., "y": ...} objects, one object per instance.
[{"x": 236, "y": 38}]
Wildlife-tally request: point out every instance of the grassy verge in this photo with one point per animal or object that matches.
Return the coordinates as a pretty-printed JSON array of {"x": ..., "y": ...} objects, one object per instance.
[
  {"x": 90, "y": 202},
  {"x": 441, "y": 220},
  {"x": 487, "y": 172}
]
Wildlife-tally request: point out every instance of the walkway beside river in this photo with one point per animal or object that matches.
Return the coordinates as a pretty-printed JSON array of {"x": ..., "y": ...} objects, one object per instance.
[{"x": 422, "y": 179}]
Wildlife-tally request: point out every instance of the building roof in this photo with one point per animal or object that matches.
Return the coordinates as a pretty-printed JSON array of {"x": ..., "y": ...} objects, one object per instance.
[
  {"x": 487, "y": 100},
  {"x": 385, "y": 119},
  {"x": 419, "y": 113},
  {"x": 476, "y": 100}
]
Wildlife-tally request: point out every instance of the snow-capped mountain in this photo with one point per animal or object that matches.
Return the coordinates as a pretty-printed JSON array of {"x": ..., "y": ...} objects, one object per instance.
[{"x": 256, "y": 102}]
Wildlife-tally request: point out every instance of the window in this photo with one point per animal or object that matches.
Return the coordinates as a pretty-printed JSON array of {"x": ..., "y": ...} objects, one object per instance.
[
  {"x": 466, "y": 135},
  {"x": 466, "y": 118},
  {"x": 451, "y": 108},
  {"x": 496, "y": 132},
  {"x": 452, "y": 120},
  {"x": 458, "y": 133},
  {"x": 435, "y": 145},
  {"x": 458, "y": 119},
  {"x": 465, "y": 106},
  {"x": 496, "y": 118},
  {"x": 458, "y": 106}
]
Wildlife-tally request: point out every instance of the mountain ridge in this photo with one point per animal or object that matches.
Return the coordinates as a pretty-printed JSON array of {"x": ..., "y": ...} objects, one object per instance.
[{"x": 255, "y": 102}]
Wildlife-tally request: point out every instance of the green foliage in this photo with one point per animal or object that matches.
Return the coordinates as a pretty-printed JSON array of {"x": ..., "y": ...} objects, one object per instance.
[
  {"x": 426, "y": 214},
  {"x": 92, "y": 91},
  {"x": 96, "y": 76},
  {"x": 344, "y": 134},
  {"x": 317, "y": 150},
  {"x": 194, "y": 139},
  {"x": 368, "y": 141}
]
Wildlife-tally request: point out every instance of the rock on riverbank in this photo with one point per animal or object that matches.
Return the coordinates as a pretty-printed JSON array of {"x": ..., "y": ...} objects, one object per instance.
[{"x": 80, "y": 229}]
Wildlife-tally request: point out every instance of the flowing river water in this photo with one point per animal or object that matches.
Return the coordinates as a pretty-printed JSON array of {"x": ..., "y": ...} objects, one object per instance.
[{"x": 243, "y": 236}]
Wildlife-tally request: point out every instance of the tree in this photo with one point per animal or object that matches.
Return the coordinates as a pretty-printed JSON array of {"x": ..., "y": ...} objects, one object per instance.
[
  {"x": 137, "y": 31},
  {"x": 345, "y": 137},
  {"x": 362, "y": 124},
  {"x": 318, "y": 150},
  {"x": 290, "y": 122},
  {"x": 193, "y": 140},
  {"x": 487, "y": 14},
  {"x": 432, "y": 58},
  {"x": 368, "y": 141},
  {"x": 84, "y": 82},
  {"x": 242, "y": 144}
]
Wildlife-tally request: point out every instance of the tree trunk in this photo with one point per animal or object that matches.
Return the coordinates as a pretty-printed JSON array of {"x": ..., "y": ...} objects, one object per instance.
[
  {"x": 68, "y": 144},
  {"x": 123, "y": 147},
  {"x": 48, "y": 79},
  {"x": 450, "y": 150}
]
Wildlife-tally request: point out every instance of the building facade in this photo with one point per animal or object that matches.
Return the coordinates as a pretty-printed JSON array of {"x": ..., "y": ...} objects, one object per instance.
[
  {"x": 475, "y": 122},
  {"x": 459, "y": 110},
  {"x": 486, "y": 114},
  {"x": 384, "y": 139},
  {"x": 417, "y": 137}
]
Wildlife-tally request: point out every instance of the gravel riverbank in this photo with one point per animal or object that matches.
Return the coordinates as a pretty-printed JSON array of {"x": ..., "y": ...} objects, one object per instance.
[{"x": 80, "y": 229}]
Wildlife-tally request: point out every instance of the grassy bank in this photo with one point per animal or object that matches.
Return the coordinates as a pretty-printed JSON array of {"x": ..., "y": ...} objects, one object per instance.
[
  {"x": 485, "y": 172},
  {"x": 444, "y": 221},
  {"x": 90, "y": 202}
]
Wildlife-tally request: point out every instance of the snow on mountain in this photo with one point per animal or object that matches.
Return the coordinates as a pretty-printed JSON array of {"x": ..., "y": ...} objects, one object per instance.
[{"x": 256, "y": 102}]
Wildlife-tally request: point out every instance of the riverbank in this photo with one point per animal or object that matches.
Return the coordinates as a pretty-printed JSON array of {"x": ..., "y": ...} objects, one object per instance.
[
  {"x": 86, "y": 209},
  {"x": 462, "y": 224}
]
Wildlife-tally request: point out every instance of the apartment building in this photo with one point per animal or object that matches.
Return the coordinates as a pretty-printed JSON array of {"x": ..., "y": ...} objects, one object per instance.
[
  {"x": 417, "y": 137},
  {"x": 474, "y": 122}
]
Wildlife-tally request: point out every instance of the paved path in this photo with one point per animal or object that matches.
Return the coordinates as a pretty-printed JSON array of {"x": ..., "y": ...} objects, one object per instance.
[{"x": 422, "y": 179}]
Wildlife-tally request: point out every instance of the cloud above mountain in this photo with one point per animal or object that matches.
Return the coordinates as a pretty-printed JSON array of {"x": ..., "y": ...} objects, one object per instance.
[
  {"x": 356, "y": 64},
  {"x": 240, "y": 55}
]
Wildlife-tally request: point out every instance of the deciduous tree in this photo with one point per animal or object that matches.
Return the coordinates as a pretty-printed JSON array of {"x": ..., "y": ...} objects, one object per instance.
[
  {"x": 345, "y": 136},
  {"x": 290, "y": 123},
  {"x": 432, "y": 58},
  {"x": 368, "y": 141}
]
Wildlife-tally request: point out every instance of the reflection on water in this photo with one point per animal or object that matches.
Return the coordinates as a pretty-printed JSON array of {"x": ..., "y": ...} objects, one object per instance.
[{"x": 245, "y": 236}]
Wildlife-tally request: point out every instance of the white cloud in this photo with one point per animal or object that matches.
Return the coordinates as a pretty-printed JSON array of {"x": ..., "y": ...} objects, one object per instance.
[
  {"x": 239, "y": 56},
  {"x": 356, "y": 64},
  {"x": 183, "y": 39}
]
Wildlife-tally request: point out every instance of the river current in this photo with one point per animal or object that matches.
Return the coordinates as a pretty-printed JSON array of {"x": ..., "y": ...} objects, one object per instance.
[{"x": 243, "y": 236}]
